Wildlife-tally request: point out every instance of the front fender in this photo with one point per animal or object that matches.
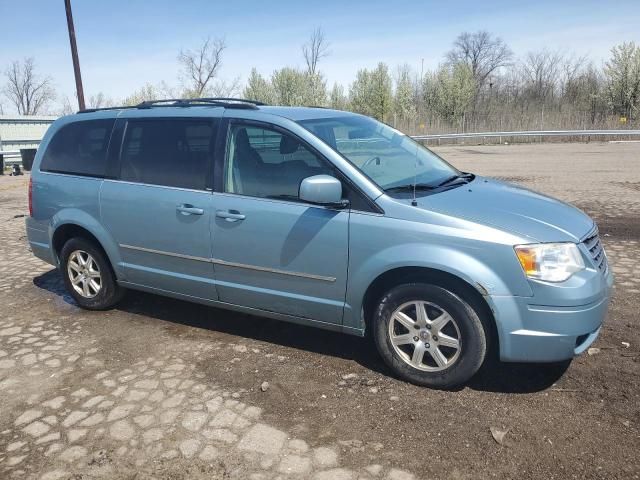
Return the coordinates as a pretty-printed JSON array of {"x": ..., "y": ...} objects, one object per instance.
[
  {"x": 469, "y": 268},
  {"x": 81, "y": 218}
]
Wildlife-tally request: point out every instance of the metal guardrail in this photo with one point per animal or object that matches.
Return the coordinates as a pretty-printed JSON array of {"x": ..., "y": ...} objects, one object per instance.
[{"x": 530, "y": 133}]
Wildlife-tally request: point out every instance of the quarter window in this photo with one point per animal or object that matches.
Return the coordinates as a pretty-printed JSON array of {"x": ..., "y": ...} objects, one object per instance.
[
  {"x": 262, "y": 162},
  {"x": 79, "y": 148},
  {"x": 175, "y": 152}
]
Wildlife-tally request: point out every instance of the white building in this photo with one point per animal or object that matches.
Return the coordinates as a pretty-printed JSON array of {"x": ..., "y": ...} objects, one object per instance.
[{"x": 22, "y": 131}]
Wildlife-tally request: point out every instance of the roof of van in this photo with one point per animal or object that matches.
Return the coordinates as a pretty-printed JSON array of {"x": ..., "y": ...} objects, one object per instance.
[{"x": 164, "y": 107}]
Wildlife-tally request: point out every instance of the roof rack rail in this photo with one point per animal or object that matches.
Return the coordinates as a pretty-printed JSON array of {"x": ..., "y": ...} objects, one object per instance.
[
  {"x": 232, "y": 99},
  {"x": 225, "y": 102},
  {"x": 100, "y": 109},
  {"x": 192, "y": 102}
]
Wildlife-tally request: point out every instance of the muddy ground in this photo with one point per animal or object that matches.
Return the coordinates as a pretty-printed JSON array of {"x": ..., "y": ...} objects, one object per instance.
[{"x": 160, "y": 388}]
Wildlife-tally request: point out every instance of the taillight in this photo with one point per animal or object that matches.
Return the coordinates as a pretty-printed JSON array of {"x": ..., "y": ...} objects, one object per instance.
[{"x": 30, "y": 197}]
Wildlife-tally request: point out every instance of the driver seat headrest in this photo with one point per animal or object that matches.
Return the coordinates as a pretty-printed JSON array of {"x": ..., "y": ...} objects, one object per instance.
[{"x": 288, "y": 144}]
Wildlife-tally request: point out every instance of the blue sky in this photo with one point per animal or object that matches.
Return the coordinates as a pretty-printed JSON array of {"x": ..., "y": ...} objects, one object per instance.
[{"x": 124, "y": 44}]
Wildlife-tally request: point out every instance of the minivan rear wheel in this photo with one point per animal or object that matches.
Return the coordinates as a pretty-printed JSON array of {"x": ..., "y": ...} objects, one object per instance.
[
  {"x": 429, "y": 335},
  {"x": 88, "y": 275}
]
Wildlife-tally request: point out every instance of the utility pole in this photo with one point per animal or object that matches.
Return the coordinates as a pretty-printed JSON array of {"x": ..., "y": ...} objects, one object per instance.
[{"x": 74, "y": 55}]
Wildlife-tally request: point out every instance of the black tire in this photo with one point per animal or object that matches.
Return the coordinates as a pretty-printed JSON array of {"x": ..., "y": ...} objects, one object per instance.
[
  {"x": 472, "y": 339},
  {"x": 109, "y": 294}
]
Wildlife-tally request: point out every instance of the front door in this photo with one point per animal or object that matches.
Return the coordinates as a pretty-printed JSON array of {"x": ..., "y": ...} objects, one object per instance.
[
  {"x": 271, "y": 251},
  {"x": 159, "y": 209}
]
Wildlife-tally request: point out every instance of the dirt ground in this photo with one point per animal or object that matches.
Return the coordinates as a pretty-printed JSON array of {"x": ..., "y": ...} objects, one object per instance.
[{"x": 160, "y": 388}]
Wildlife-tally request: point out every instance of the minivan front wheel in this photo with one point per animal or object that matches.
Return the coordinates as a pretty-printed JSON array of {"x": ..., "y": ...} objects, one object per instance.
[
  {"x": 88, "y": 276},
  {"x": 429, "y": 335}
]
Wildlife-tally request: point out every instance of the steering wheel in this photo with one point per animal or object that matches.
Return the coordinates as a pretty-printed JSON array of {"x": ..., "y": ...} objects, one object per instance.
[{"x": 371, "y": 160}]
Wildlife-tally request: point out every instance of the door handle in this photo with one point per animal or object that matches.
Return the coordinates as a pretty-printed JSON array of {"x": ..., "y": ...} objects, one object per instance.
[
  {"x": 230, "y": 215},
  {"x": 188, "y": 209}
]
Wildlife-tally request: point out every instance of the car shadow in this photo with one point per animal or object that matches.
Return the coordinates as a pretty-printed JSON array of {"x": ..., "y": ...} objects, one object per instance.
[{"x": 494, "y": 376}]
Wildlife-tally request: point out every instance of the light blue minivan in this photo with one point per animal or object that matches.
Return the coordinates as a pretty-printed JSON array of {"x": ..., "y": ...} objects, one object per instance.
[{"x": 320, "y": 217}]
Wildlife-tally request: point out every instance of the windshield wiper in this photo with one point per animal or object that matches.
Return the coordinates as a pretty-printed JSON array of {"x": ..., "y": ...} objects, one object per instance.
[
  {"x": 409, "y": 187},
  {"x": 453, "y": 178}
]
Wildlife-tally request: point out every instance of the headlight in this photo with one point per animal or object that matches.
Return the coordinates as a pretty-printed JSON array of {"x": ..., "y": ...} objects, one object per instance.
[{"x": 551, "y": 262}]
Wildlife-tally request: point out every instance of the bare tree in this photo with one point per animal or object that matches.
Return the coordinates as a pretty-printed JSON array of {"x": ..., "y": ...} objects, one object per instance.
[
  {"x": 314, "y": 50},
  {"x": 572, "y": 67},
  {"x": 200, "y": 67},
  {"x": 482, "y": 52},
  {"x": 27, "y": 91},
  {"x": 65, "y": 107},
  {"x": 100, "y": 100},
  {"x": 224, "y": 88},
  {"x": 541, "y": 72}
]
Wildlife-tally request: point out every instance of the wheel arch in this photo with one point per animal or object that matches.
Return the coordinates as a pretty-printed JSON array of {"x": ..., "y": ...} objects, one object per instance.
[
  {"x": 65, "y": 231},
  {"x": 475, "y": 295}
]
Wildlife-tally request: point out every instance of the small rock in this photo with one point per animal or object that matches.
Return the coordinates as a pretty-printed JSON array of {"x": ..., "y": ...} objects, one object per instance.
[
  {"x": 394, "y": 398},
  {"x": 498, "y": 435},
  {"x": 373, "y": 390},
  {"x": 626, "y": 344},
  {"x": 396, "y": 474},
  {"x": 593, "y": 351},
  {"x": 100, "y": 457},
  {"x": 36, "y": 429},
  {"x": 374, "y": 469},
  {"x": 189, "y": 447},
  {"x": 208, "y": 453},
  {"x": 349, "y": 376},
  {"x": 626, "y": 423},
  {"x": 121, "y": 430},
  {"x": 325, "y": 457},
  {"x": 73, "y": 453},
  {"x": 350, "y": 443},
  {"x": 263, "y": 439},
  {"x": 264, "y": 386},
  {"x": 28, "y": 416}
]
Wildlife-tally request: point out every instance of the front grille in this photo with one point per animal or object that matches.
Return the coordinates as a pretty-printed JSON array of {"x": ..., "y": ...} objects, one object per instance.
[{"x": 594, "y": 246}]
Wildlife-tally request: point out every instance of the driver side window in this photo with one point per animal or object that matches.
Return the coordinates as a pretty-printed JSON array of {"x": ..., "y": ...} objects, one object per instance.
[{"x": 263, "y": 162}]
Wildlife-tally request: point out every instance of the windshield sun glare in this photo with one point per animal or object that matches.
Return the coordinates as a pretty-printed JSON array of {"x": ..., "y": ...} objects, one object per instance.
[{"x": 388, "y": 157}]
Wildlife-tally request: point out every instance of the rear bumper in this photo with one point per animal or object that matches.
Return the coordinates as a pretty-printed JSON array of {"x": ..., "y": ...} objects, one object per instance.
[
  {"x": 39, "y": 243},
  {"x": 541, "y": 333}
]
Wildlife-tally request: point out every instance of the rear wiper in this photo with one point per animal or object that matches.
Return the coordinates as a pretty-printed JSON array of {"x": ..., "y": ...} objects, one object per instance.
[
  {"x": 410, "y": 187},
  {"x": 453, "y": 178}
]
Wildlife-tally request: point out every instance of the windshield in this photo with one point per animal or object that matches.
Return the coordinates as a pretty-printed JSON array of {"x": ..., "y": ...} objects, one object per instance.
[{"x": 390, "y": 158}]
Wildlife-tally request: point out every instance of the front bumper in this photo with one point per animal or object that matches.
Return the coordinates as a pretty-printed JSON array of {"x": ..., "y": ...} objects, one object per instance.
[{"x": 529, "y": 332}]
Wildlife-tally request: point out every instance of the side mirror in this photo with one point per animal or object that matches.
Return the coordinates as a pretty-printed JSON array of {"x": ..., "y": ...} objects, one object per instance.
[{"x": 321, "y": 190}]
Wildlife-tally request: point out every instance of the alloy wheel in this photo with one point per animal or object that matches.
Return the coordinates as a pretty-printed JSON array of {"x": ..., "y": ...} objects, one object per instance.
[
  {"x": 84, "y": 274},
  {"x": 425, "y": 336}
]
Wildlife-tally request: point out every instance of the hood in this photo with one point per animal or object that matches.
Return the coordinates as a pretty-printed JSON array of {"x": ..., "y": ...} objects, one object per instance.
[{"x": 512, "y": 209}]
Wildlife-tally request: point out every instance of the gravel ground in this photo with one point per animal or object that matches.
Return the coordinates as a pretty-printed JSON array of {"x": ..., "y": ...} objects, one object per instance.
[{"x": 160, "y": 388}]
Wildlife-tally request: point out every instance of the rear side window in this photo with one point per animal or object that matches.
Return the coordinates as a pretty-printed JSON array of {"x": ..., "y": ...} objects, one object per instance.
[
  {"x": 171, "y": 152},
  {"x": 79, "y": 148}
]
